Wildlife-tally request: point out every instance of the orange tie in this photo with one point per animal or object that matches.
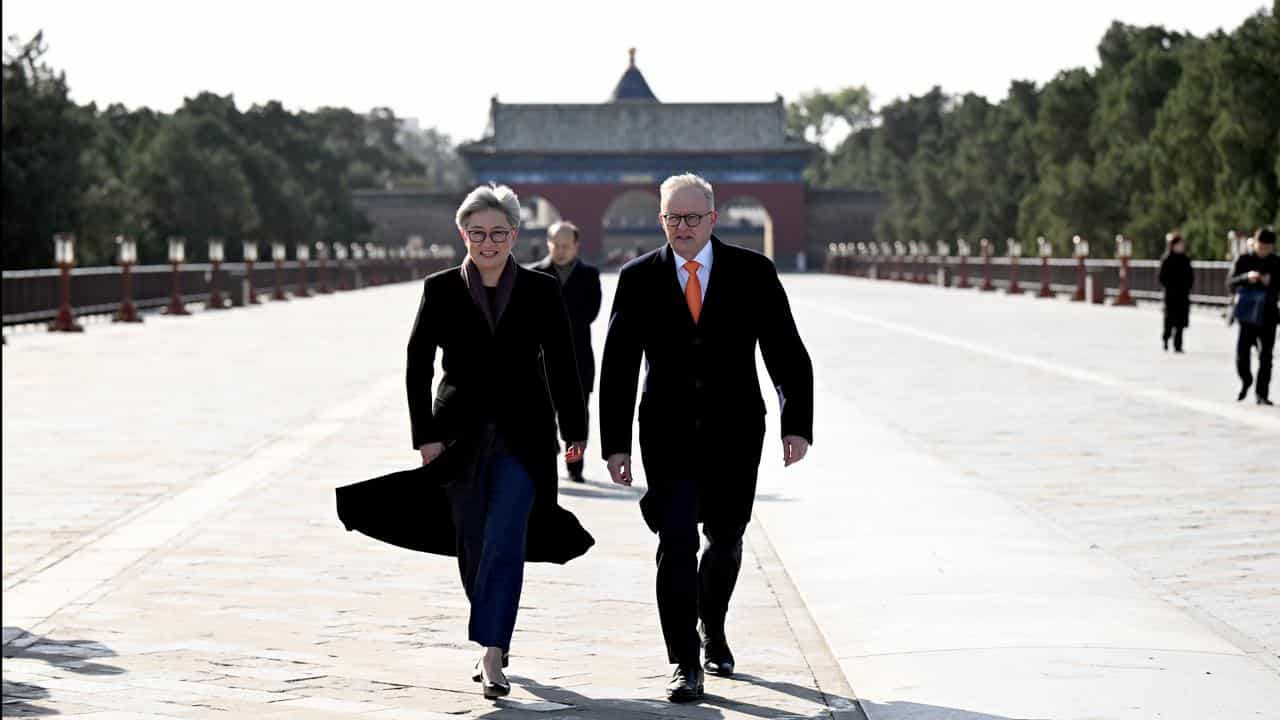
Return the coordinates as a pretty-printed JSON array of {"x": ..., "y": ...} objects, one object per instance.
[{"x": 693, "y": 289}]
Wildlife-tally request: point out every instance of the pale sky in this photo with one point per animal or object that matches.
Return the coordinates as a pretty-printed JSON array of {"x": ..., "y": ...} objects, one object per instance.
[{"x": 441, "y": 61}]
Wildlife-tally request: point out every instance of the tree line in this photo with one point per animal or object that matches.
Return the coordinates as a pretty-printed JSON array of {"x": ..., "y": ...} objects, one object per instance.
[
  {"x": 1170, "y": 131},
  {"x": 206, "y": 170}
]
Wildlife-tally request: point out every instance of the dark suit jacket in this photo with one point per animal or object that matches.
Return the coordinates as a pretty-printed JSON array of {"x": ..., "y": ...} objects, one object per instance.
[
  {"x": 517, "y": 379},
  {"x": 582, "y": 298},
  {"x": 1269, "y": 265},
  {"x": 701, "y": 413}
]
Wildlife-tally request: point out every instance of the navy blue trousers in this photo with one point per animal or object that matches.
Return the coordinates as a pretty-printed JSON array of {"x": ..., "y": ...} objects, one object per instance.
[{"x": 492, "y": 519}]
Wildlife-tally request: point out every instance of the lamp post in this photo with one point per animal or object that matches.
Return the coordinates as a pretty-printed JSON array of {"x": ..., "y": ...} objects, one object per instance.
[
  {"x": 1015, "y": 251},
  {"x": 1046, "y": 252},
  {"x": 900, "y": 251},
  {"x": 177, "y": 255},
  {"x": 251, "y": 257},
  {"x": 1081, "y": 249},
  {"x": 128, "y": 256},
  {"x": 1124, "y": 250},
  {"x": 962, "y": 249},
  {"x": 303, "y": 252},
  {"x": 278, "y": 252},
  {"x": 340, "y": 259},
  {"x": 944, "y": 252},
  {"x": 986, "y": 266},
  {"x": 322, "y": 255},
  {"x": 216, "y": 256},
  {"x": 357, "y": 255},
  {"x": 64, "y": 254}
]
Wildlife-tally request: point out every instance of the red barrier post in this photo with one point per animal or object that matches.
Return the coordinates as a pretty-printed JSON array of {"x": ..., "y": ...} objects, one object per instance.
[
  {"x": 1081, "y": 248},
  {"x": 177, "y": 255},
  {"x": 64, "y": 254},
  {"x": 1015, "y": 251},
  {"x": 278, "y": 254},
  {"x": 986, "y": 266},
  {"x": 1124, "y": 249},
  {"x": 127, "y": 255},
  {"x": 216, "y": 256},
  {"x": 1046, "y": 252}
]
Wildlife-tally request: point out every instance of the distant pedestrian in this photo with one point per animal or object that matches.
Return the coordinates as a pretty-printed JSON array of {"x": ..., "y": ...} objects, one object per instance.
[
  {"x": 1255, "y": 278},
  {"x": 580, "y": 285},
  {"x": 1177, "y": 278}
]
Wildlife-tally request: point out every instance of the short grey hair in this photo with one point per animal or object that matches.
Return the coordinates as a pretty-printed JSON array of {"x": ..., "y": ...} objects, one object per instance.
[
  {"x": 490, "y": 197},
  {"x": 676, "y": 182},
  {"x": 559, "y": 225}
]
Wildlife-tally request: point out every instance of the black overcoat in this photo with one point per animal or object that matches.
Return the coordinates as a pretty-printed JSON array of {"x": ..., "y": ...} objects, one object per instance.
[
  {"x": 582, "y": 298},
  {"x": 701, "y": 412},
  {"x": 518, "y": 378},
  {"x": 1177, "y": 278}
]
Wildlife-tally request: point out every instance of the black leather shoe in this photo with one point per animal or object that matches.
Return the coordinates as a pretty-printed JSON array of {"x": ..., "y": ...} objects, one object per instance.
[
  {"x": 686, "y": 684},
  {"x": 495, "y": 690},
  {"x": 577, "y": 477},
  {"x": 1264, "y": 401},
  {"x": 1244, "y": 391},
  {"x": 719, "y": 658},
  {"x": 477, "y": 676}
]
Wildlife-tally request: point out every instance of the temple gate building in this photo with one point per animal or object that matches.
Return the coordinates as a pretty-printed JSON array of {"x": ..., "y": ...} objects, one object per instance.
[{"x": 599, "y": 165}]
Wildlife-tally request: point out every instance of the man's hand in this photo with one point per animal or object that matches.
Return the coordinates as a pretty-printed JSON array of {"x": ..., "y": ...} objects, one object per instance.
[
  {"x": 794, "y": 449},
  {"x": 1254, "y": 276},
  {"x": 575, "y": 451},
  {"x": 620, "y": 468},
  {"x": 430, "y": 452}
]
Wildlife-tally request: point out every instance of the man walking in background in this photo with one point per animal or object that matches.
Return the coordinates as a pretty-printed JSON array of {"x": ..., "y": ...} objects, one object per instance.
[
  {"x": 580, "y": 286},
  {"x": 695, "y": 310},
  {"x": 1255, "y": 279}
]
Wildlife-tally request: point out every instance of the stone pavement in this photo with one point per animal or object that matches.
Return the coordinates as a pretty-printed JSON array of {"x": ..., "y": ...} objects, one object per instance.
[
  {"x": 1015, "y": 508},
  {"x": 171, "y": 548},
  {"x": 1040, "y": 514}
]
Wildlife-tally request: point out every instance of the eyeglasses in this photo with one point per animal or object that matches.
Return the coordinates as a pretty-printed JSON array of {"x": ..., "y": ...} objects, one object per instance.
[
  {"x": 498, "y": 237},
  {"x": 692, "y": 219}
]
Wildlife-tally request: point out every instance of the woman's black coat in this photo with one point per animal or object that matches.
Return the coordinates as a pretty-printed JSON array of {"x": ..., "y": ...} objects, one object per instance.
[
  {"x": 518, "y": 378},
  {"x": 1177, "y": 277}
]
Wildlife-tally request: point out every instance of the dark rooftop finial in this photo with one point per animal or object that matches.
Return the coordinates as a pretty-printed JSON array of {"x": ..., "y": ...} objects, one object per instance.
[{"x": 632, "y": 86}]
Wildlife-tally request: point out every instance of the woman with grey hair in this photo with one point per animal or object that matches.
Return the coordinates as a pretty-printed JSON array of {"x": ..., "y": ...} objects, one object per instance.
[{"x": 486, "y": 491}]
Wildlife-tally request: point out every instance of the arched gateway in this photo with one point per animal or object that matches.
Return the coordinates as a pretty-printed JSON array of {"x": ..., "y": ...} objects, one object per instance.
[{"x": 582, "y": 158}]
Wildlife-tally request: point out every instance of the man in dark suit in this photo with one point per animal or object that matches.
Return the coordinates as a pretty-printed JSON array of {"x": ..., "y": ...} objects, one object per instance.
[
  {"x": 695, "y": 309},
  {"x": 580, "y": 285}
]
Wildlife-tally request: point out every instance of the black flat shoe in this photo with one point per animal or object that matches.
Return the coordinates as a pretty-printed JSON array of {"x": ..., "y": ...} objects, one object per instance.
[
  {"x": 686, "y": 685},
  {"x": 477, "y": 676},
  {"x": 1265, "y": 401},
  {"x": 1244, "y": 391},
  {"x": 577, "y": 477},
  {"x": 719, "y": 659}
]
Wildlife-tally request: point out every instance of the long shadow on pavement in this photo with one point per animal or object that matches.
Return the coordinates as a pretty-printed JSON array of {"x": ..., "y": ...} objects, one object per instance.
[{"x": 69, "y": 655}]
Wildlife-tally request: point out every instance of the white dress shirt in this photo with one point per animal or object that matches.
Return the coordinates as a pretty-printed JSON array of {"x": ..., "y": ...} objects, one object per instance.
[{"x": 704, "y": 270}]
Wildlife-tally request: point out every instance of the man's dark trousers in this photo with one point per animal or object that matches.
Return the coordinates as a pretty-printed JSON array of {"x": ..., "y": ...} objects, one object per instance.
[
  {"x": 689, "y": 590},
  {"x": 1250, "y": 335}
]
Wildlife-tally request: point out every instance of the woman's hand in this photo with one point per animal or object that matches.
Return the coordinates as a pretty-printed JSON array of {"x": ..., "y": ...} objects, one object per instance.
[{"x": 430, "y": 452}]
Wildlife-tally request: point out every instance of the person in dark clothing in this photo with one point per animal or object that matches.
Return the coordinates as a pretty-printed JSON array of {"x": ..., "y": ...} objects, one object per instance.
[
  {"x": 508, "y": 375},
  {"x": 1177, "y": 278},
  {"x": 580, "y": 284},
  {"x": 1257, "y": 273},
  {"x": 694, "y": 311}
]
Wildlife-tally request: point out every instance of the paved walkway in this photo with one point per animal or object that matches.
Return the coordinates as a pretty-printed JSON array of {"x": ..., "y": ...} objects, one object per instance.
[
  {"x": 1040, "y": 514},
  {"x": 181, "y": 557},
  {"x": 1004, "y": 517}
]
